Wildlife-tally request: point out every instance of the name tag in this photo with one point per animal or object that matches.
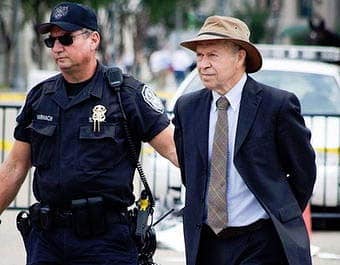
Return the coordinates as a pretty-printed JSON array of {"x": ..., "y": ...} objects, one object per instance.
[{"x": 44, "y": 117}]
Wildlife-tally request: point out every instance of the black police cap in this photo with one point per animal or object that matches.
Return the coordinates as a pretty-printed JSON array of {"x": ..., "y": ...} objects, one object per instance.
[{"x": 70, "y": 17}]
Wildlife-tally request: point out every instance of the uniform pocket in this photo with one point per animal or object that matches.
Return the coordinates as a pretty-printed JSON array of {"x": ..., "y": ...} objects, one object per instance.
[
  {"x": 100, "y": 150},
  {"x": 43, "y": 141}
]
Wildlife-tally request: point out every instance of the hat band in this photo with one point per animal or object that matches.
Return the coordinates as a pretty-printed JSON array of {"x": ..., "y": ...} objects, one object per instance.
[{"x": 214, "y": 34}]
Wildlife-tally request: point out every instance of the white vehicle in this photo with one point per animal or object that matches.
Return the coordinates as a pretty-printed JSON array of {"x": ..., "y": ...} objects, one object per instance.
[{"x": 317, "y": 85}]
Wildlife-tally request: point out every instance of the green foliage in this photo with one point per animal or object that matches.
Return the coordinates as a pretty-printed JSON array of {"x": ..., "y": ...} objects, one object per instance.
[
  {"x": 195, "y": 20},
  {"x": 3, "y": 87},
  {"x": 256, "y": 19},
  {"x": 159, "y": 12},
  {"x": 164, "y": 12},
  {"x": 298, "y": 34},
  {"x": 36, "y": 9},
  {"x": 146, "y": 14},
  {"x": 337, "y": 27},
  {"x": 299, "y": 38}
]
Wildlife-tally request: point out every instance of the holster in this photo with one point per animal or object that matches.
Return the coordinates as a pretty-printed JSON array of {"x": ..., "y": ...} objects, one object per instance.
[
  {"x": 23, "y": 222},
  {"x": 41, "y": 216}
]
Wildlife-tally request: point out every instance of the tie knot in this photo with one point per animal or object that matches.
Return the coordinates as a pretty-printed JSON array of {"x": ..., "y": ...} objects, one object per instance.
[{"x": 222, "y": 103}]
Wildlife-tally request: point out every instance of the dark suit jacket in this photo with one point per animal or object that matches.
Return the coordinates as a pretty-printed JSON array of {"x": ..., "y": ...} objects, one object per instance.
[{"x": 272, "y": 154}]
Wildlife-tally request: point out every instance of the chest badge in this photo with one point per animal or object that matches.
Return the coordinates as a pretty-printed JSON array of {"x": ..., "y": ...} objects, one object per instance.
[{"x": 98, "y": 116}]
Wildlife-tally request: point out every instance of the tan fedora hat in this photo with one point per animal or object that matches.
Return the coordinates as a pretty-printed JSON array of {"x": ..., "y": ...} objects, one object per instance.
[{"x": 228, "y": 28}]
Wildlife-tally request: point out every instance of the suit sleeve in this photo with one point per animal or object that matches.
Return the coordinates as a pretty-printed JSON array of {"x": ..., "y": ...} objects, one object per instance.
[
  {"x": 178, "y": 137},
  {"x": 295, "y": 150}
]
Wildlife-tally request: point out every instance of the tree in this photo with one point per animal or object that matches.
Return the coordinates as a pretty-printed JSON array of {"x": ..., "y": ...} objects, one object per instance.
[
  {"x": 261, "y": 18},
  {"x": 6, "y": 43},
  {"x": 114, "y": 17},
  {"x": 255, "y": 17},
  {"x": 164, "y": 12}
]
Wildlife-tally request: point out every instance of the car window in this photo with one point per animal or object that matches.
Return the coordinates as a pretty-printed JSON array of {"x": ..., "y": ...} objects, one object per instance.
[{"x": 317, "y": 93}]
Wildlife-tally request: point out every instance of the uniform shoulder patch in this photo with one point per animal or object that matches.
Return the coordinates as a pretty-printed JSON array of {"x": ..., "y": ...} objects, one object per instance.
[{"x": 152, "y": 99}]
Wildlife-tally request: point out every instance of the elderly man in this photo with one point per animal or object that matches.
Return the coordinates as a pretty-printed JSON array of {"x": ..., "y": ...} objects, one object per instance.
[{"x": 245, "y": 157}]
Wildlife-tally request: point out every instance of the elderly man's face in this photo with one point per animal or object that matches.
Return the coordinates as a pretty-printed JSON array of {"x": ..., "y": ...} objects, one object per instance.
[{"x": 220, "y": 64}]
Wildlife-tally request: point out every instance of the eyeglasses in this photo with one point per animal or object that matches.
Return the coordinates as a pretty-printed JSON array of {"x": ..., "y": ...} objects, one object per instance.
[{"x": 66, "y": 39}]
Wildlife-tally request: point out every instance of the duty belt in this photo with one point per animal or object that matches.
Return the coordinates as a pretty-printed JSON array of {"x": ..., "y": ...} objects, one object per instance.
[{"x": 87, "y": 216}]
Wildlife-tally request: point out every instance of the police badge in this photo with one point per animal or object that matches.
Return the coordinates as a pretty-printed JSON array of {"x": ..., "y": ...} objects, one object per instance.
[
  {"x": 60, "y": 12},
  {"x": 151, "y": 99},
  {"x": 98, "y": 116}
]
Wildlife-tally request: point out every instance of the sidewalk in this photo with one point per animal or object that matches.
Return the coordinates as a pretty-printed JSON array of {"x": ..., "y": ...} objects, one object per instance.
[{"x": 12, "y": 250}]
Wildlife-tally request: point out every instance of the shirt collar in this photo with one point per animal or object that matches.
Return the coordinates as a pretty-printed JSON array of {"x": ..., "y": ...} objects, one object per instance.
[
  {"x": 96, "y": 89},
  {"x": 93, "y": 88},
  {"x": 233, "y": 95}
]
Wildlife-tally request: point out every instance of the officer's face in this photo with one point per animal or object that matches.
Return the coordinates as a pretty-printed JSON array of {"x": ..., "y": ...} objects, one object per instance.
[
  {"x": 76, "y": 56},
  {"x": 220, "y": 65}
]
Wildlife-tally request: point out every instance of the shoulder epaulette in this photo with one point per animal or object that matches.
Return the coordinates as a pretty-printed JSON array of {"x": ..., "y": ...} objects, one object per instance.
[{"x": 131, "y": 82}]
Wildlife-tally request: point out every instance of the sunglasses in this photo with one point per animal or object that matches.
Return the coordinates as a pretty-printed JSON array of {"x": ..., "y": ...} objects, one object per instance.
[{"x": 66, "y": 39}]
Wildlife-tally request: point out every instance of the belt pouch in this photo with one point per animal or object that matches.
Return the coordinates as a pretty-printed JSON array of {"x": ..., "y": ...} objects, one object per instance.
[
  {"x": 97, "y": 215},
  {"x": 80, "y": 218},
  {"x": 45, "y": 217}
]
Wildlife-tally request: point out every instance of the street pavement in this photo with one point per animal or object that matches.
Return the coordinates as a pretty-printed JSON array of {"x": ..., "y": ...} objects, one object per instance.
[{"x": 326, "y": 245}]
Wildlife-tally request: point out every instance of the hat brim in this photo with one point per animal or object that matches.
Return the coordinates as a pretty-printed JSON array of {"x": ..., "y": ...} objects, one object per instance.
[
  {"x": 253, "y": 60},
  {"x": 46, "y": 27}
]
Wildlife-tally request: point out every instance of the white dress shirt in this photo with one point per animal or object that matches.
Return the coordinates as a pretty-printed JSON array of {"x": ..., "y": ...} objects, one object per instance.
[{"x": 243, "y": 207}]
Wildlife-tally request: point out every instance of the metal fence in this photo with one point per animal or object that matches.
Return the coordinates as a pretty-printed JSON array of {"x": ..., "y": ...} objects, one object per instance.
[{"x": 164, "y": 178}]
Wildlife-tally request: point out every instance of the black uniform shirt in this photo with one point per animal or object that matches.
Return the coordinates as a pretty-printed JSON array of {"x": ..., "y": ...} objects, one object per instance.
[{"x": 77, "y": 157}]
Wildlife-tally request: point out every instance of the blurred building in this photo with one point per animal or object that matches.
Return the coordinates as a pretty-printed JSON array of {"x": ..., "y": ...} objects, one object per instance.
[
  {"x": 288, "y": 17},
  {"x": 295, "y": 14}
]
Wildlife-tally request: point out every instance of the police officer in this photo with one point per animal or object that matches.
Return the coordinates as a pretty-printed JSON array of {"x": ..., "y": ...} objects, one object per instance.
[{"x": 71, "y": 130}]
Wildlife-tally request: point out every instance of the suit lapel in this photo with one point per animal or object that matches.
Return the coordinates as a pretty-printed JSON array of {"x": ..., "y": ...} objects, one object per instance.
[
  {"x": 248, "y": 108},
  {"x": 201, "y": 118}
]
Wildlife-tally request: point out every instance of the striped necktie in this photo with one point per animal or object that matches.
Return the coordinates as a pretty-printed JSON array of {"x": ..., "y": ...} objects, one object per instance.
[{"x": 217, "y": 201}]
